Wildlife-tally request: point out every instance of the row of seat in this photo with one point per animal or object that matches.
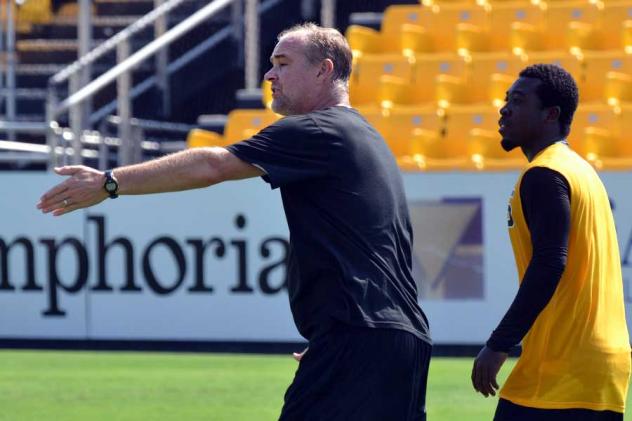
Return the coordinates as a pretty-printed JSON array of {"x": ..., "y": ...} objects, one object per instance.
[
  {"x": 460, "y": 137},
  {"x": 514, "y": 26},
  {"x": 439, "y": 110},
  {"x": 467, "y": 136},
  {"x": 448, "y": 78},
  {"x": 495, "y": 2},
  {"x": 240, "y": 124}
]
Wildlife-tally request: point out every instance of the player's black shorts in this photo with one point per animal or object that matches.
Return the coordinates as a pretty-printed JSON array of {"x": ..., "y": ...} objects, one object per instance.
[
  {"x": 366, "y": 374},
  {"x": 509, "y": 411}
]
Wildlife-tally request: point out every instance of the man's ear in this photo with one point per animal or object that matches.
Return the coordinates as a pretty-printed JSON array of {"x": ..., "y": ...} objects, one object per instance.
[
  {"x": 553, "y": 113},
  {"x": 326, "y": 67}
]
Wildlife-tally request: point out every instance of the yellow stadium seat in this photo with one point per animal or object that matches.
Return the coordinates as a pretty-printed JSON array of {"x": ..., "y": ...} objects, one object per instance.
[
  {"x": 624, "y": 119},
  {"x": 606, "y": 76},
  {"x": 406, "y": 123},
  {"x": 34, "y": 11},
  {"x": 198, "y": 138},
  {"x": 467, "y": 124},
  {"x": 446, "y": 18},
  {"x": 525, "y": 37},
  {"x": 566, "y": 25},
  {"x": 395, "y": 16},
  {"x": 502, "y": 19},
  {"x": 587, "y": 116},
  {"x": 486, "y": 79},
  {"x": 560, "y": 19},
  {"x": 485, "y": 152},
  {"x": 563, "y": 59},
  {"x": 497, "y": 34},
  {"x": 602, "y": 150},
  {"x": 491, "y": 75},
  {"x": 606, "y": 32},
  {"x": 415, "y": 135},
  {"x": 242, "y": 124},
  {"x": 618, "y": 88},
  {"x": 432, "y": 70},
  {"x": 627, "y": 36},
  {"x": 364, "y": 85},
  {"x": 416, "y": 39},
  {"x": 363, "y": 40},
  {"x": 414, "y": 29}
]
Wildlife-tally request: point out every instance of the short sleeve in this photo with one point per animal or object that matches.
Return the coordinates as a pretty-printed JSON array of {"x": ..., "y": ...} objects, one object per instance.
[{"x": 290, "y": 150}]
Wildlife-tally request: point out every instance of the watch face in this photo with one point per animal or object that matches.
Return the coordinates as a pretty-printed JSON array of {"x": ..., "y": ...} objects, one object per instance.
[{"x": 110, "y": 186}]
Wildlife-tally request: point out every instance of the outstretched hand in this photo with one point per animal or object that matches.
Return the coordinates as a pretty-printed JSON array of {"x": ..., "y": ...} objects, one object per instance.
[
  {"x": 486, "y": 367},
  {"x": 83, "y": 188}
]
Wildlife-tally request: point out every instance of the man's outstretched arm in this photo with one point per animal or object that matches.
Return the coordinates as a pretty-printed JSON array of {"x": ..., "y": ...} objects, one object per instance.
[{"x": 185, "y": 170}]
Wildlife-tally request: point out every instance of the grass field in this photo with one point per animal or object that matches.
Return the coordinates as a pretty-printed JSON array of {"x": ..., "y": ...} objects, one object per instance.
[{"x": 90, "y": 386}]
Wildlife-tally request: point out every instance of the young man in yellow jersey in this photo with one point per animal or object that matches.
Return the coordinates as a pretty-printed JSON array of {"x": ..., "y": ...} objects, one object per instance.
[{"x": 569, "y": 310}]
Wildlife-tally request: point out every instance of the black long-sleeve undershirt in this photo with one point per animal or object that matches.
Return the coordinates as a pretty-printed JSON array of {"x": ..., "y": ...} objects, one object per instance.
[{"x": 545, "y": 196}]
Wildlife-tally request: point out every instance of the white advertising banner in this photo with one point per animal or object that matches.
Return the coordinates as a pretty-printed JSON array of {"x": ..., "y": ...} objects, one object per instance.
[{"x": 210, "y": 265}]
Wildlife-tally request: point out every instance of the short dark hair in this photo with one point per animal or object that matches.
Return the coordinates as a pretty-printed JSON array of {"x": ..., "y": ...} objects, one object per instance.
[
  {"x": 558, "y": 88},
  {"x": 323, "y": 43}
]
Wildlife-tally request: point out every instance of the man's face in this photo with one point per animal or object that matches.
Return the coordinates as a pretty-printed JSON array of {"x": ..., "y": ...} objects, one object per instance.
[
  {"x": 293, "y": 78},
  {"x": 522, "y": 117}
]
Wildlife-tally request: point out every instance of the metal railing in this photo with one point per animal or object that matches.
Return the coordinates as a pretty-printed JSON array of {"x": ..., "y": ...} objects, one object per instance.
[
  {"x": 78, "y": 73},
  {"x": 122, "y": 72},
  {"x": 7, "y": 48},
  {"x": 126, "y": 62}
]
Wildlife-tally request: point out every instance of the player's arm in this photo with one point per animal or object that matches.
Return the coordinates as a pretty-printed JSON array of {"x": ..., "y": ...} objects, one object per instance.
[
  {"x": 545, "y": 197},
  {"x": 189, "y": 169}
]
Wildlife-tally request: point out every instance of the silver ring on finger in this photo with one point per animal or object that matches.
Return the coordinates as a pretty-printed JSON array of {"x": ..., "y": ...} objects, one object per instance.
[{"x": 66, "y": 203}]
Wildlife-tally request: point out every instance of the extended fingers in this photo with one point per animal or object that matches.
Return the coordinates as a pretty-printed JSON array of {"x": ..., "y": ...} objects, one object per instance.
[
  {"x": 54, "y": 195},
  {"x": 68, "y": 169},
  {"x": 54, "y": 201},
  {"x": 66, "y": 209},
  {"x": 53, "y": 205}
]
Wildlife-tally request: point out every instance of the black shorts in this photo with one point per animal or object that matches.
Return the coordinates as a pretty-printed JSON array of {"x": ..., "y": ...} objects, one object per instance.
[
  {"x": 509, "y": 411},
  {"x": 360, "y": 374}
]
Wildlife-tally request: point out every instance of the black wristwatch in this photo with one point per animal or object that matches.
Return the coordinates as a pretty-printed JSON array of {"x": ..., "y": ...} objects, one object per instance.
[{"x": 111, "y": 185}]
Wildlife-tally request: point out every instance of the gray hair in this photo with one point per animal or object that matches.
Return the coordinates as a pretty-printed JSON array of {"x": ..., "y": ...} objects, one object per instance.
[{"x": 325, "y": 43}]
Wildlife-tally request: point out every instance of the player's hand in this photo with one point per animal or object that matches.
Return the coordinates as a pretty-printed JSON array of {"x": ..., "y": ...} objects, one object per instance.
[
  {"x": 486, "y": 367},
  {"x": 83, "y": 188},
  {"x": 298, "y": 356}
]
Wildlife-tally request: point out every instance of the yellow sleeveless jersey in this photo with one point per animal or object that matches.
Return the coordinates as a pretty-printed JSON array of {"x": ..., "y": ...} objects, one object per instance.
[{"x": 577, "y": 353}]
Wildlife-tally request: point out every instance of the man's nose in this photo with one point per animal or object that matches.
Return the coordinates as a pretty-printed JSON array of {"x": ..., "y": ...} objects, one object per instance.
[
  {"x": 270, "y": 75},
  {"x": 504, "y": 111}
]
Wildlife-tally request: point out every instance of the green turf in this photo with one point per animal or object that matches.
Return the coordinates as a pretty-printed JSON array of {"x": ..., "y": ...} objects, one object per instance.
[{"x": 68, "y": 386}]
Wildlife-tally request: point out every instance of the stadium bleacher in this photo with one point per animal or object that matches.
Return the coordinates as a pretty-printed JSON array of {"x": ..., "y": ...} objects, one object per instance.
[
  {"x": 463, "y": 57},
  {"x": 432, "y": 78},
  {"x": 437, "y": 59}
]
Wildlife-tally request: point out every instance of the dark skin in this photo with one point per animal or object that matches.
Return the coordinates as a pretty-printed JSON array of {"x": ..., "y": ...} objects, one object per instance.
[{"x": 526, "y": 124}]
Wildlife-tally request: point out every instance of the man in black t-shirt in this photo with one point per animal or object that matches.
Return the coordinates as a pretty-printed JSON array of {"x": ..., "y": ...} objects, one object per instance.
[{"x": 350, "y": 285}]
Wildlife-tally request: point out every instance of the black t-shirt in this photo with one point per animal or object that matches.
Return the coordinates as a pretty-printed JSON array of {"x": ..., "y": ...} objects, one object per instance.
[{"x": 350, "y": 232}]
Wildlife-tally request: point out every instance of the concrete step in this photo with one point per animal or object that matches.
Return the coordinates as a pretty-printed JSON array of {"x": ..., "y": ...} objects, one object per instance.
[
  {"x": 142, "y": 7},
  {"x": 28, "y": 101},
  {"x": 61, "y": 51},
  {"x": 123, "y": 7},
  {"x": 66, "y": 28}
]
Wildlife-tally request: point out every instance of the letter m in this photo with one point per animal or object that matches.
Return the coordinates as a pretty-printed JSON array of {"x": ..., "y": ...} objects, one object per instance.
[{"x": 29, "y": 264}]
